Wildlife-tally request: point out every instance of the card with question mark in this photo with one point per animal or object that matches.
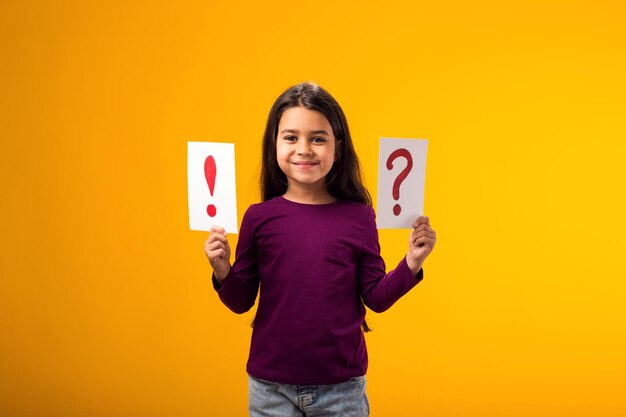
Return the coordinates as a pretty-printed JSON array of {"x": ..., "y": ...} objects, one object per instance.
[{"x": 401, "y": 180}]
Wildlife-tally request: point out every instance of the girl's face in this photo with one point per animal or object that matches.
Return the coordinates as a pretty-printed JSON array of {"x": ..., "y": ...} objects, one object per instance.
[{"x": 305, "y": 147}]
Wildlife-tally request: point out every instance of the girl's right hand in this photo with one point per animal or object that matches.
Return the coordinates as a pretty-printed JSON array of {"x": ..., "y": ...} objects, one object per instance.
[{"x": 218, "y": 251}]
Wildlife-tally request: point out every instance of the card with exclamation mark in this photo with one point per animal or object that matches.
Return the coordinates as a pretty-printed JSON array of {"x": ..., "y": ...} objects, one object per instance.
[{"x": 211, "y": 186}]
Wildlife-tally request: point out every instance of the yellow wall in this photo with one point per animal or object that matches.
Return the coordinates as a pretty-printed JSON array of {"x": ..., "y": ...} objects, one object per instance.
[{"x": 106, "y": 307}]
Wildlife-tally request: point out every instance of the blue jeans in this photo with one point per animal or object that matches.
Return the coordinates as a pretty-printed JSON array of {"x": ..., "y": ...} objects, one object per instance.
[{"x": 268, "y": 399}]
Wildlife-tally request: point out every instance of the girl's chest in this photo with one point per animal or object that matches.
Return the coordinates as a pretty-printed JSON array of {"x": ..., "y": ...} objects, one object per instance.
[{"x": 310, "y": 241}]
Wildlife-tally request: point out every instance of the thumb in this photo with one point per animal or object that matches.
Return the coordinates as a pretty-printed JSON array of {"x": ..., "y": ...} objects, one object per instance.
[{"x": 219, "y": 230}]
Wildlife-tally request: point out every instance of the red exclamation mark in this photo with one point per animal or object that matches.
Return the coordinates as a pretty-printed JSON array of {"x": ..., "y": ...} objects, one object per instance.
[{"x": 210, "y": 172}]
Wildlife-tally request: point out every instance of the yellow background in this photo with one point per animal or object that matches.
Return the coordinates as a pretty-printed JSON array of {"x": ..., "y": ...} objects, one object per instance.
[{"x": 106, "y": 307}]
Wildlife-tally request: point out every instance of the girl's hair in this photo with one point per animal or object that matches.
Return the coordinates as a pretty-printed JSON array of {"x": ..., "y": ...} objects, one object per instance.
[{"x": 344, "y": 180}]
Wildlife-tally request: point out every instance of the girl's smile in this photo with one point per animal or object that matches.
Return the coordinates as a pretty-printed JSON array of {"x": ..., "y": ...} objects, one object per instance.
[{"x": 304, "y": 164}]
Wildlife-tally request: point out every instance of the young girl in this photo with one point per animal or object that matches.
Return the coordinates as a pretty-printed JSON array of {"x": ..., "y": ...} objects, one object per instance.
[{"x": 312, "y": 248}]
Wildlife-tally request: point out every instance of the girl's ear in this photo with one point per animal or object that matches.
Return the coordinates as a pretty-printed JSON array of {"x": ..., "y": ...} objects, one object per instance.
[{"x": 337, "y": 151}]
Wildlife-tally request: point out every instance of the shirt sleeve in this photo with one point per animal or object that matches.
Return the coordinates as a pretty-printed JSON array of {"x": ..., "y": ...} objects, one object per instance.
[
  {"x": 240, "y": 287},
  {"x": 378, "y": 289}
]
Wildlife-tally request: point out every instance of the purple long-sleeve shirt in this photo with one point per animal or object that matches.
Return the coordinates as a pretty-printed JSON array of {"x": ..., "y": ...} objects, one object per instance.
[{"x": 316, "y": 265}]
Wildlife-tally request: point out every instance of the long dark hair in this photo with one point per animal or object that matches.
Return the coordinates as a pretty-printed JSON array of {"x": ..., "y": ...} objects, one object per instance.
[{"x": 344, "y": 181}]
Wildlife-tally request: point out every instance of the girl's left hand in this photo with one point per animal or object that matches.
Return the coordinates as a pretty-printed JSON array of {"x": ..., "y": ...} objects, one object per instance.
[{"x": 421, "y": 243}]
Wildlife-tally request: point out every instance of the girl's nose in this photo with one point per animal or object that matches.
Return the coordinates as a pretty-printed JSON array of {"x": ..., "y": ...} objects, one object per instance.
[{"x": 304, "y": 148}]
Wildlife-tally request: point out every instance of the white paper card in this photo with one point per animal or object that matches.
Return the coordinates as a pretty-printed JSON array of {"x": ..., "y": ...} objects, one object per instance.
[
  {"x": 211, "y": 186},
  {"x": 401, "y": 178}
]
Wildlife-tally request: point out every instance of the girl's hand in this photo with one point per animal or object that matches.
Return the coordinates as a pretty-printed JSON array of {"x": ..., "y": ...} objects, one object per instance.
[
  {"x": 218, "y": 251},
  {"x": 421, "y": 243}
]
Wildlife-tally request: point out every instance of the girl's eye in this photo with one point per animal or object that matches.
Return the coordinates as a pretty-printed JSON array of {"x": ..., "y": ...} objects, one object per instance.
[
  {"x": 290, "y": 138},
  {"x": 318, "y": 139}
]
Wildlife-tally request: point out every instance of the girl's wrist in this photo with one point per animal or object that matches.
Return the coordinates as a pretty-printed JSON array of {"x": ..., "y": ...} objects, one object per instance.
[
  {"x": 220, "y": 276},
  {"x": 413, "y": 264}
]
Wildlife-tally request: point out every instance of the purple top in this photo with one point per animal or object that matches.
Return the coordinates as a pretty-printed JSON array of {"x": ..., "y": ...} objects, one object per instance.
[{"x": 317, "y": 266}]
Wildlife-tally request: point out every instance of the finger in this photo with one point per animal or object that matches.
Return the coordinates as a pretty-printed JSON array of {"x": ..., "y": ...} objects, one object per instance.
[
  {"x": 217, "y": 238},
  {"x": 216, "y": 256},
  {"x": 424, "y": 230},
  {"x": 218, "y": 229},
  {"x": 417, "y": 233},
  {"x": 423, "y": 241},
  {"x": 420, "y": 238},
  {"x": 416, "y": 224},
  {"x": 218, "y": 244},
  {"x": 418, "y": 221},
  {"x": 423, "y": 226}
]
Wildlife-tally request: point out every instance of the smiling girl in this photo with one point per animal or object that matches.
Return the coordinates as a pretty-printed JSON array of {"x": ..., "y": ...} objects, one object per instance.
[{"x": 312, "y": 249}]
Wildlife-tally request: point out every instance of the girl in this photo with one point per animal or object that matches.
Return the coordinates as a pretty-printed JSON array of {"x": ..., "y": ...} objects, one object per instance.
[{"x": 312, "y": 248}]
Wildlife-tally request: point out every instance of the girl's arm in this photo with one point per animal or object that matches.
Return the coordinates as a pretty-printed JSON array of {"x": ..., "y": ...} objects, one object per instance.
[
  {"x": 380, "y": 290},
  {"x": 237, "y": 286}
]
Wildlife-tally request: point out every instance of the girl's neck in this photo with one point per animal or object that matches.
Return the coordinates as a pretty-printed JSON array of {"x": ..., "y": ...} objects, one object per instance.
[{"x": 308, "y": 196}]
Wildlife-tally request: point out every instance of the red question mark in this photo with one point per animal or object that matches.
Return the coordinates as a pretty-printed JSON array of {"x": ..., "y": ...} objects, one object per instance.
[
  {"x": 210, "y": 172},
  {"x": 399, "y": 153}
]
